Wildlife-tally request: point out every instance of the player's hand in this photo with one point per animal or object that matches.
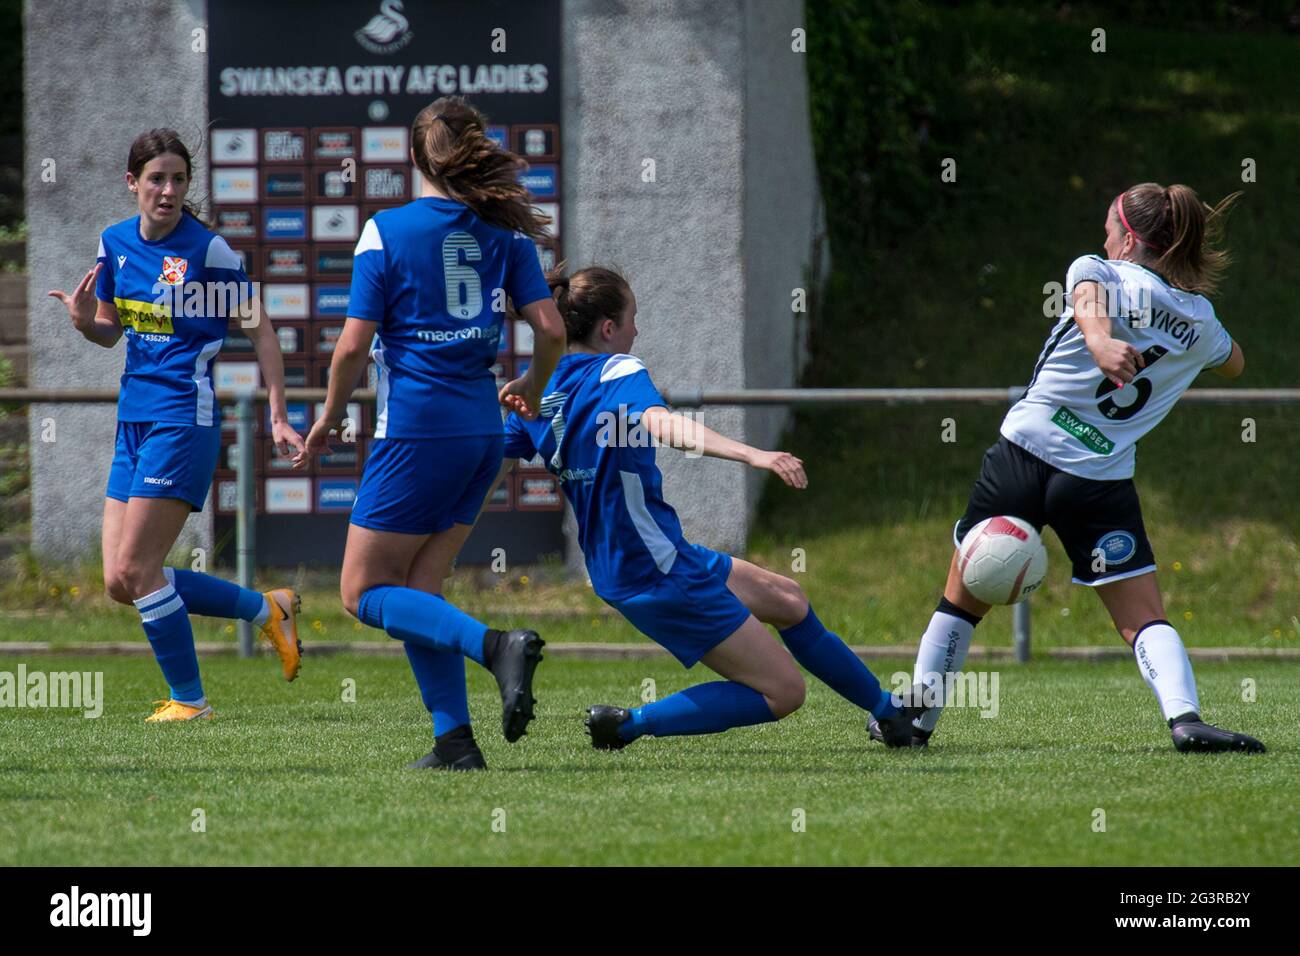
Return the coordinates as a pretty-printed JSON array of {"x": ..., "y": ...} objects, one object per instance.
[
  {"x": 522, "y": 397},
  {"x": 1118, "y": 361},
  {"x": 81, "y": 303},
  {"x": 318, "y": 441},
  {"x": 286, "y": 440},
  {"x": 787, "y": 467}
]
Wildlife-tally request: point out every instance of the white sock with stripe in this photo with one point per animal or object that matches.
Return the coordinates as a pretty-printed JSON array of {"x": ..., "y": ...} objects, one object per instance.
[
  {"x": 943, "y": 650},
  {"x": 1165, "y": 667}
]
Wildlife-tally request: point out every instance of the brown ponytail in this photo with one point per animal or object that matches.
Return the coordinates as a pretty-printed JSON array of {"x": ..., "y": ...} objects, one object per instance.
[
  {"x": 588, "y": 297},
  {"x": 1178, "y": 235},
  {"x": 454, "y": 153}
]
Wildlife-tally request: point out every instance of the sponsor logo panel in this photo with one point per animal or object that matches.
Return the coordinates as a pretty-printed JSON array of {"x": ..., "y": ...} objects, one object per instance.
[
  {"x": 332, "y": 301},
  {"x": 335, "y": 223},
  {"x": 539, "y": 142},
  {"x": 285, "y": 301},
  {"x": 284, "y": 145},
  {"x": 332, "y": 261},
  {"x": 331, "y": 185},
  {"x": 335, "y": 494},
  {"x": 234, "y": 376},
  {"x": 236, "y": 184},
  {"x": 286, "y": 262},
  {"x": 226, "y": 497},
  {"x": 288, "y": 495},
  {"x": 284, "y": 185},
  {"x": 234, "y": 145},
  {"x": 236, "y": 223},
  {"x": 333, "y": 144},
  {"x": 284, "y": 223},
  {"x": 541, "y": 181},
  {"x": 538, "y": 493},
  {"x": 386, "y": 183},
  {"x": 384, "y": 144}
]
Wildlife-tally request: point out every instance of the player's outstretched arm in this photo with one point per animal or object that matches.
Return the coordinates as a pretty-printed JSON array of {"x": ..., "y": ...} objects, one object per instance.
[
  {"x": 678, "y": 431},
  {"x": 523, "y": 396},
  {"x": 1119, "y": 361},
  {"x": 1235, "y": 365},
  {"x": 94, "y": 318},
  {"x": 271, "y": 362},
  {"x": 350, "y": 355}
]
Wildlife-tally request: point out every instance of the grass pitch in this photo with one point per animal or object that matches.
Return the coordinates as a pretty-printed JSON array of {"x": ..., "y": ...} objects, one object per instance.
[{"x": 292, "y": 774}]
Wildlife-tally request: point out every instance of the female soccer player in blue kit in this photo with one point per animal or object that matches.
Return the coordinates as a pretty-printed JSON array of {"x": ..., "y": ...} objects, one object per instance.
[
  {"x": 428, "y": 287},
  {"x": 1137, "y": 332},
  {"x": 598, "y": 416},
  {"x": 172, "y": 287}
]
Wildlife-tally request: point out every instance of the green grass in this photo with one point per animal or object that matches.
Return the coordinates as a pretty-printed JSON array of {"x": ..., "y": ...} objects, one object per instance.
[{"x": 290, "y": 774}]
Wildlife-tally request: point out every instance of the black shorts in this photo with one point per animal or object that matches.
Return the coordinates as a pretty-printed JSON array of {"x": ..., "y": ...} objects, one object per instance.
[{"x": 1089, "y": 516}]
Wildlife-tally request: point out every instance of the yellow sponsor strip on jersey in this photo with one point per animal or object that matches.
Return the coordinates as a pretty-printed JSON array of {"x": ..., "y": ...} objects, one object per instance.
[{"x": 144, "y": 316}]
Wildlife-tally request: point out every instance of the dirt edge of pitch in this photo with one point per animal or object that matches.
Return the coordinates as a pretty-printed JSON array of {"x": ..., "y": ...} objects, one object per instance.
[{"x": 599, "y": 651}]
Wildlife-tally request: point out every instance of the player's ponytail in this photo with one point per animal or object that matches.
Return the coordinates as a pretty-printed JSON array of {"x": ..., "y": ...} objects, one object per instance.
[
  {"x": 588, "y": 297},
  {"x": 155, "y": 143},
  {"x": 454, "y": 153},
  {"x": 1178, "y": 236}
]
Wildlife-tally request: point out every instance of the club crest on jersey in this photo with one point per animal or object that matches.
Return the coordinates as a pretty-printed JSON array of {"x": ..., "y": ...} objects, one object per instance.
[
  {"x": 173, "y": 271},
  {"x": 1116, "y": 547}
]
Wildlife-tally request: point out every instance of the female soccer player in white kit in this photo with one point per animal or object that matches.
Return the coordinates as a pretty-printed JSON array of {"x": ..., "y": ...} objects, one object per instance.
[{"x": 1135, "y": 333}]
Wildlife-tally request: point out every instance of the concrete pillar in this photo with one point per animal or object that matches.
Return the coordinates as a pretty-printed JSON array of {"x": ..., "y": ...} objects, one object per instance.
[
  {"x": 714, "y": 246},
  {"x": 96, "y": 75}
]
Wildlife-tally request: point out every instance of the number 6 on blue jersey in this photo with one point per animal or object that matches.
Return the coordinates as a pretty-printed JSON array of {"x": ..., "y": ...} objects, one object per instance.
[{"x": 464, "y": 290}]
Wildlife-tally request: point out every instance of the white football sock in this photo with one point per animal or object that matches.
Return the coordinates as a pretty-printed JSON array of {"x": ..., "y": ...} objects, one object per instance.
[
  {"x": 1162, "y": 659},
  {"x": 263, "y": 615},
  {"x": 943, "y": 650}
]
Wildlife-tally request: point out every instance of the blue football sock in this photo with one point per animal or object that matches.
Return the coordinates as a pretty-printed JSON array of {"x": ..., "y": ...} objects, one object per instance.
[
  {"x": 829, "y": 659},
  {"x": 702, "y": 709},
  {"x": 422, "y": 618},
  {"x": 212, "y": 597},
  {"x": 167, "y": 625},
  {"x": 441, "y": 676}
]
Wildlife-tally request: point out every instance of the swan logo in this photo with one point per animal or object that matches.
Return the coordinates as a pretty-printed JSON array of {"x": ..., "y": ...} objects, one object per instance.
[{"x": 388, "y": 31}]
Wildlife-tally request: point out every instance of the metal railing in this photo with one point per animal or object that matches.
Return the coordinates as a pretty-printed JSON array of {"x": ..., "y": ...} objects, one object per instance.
[{"x": 245, "y": 400}]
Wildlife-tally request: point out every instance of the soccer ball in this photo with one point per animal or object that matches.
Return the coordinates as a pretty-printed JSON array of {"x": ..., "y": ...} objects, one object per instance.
[{"x": 1002, "y": 560}]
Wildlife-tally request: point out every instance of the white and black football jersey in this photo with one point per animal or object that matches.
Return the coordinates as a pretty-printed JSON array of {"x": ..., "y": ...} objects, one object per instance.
[{"x": 1072, "y": 415}]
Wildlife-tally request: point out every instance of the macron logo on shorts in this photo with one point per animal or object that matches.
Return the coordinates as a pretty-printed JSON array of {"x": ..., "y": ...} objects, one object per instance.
[{"x": 158, "y": 481}]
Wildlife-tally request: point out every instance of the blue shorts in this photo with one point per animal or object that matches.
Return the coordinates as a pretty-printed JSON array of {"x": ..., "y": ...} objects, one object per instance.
[
  {"x": 164, "y": 460},
  {"x": 426, "y": 485},
  {"x": 690, "y": 611}
]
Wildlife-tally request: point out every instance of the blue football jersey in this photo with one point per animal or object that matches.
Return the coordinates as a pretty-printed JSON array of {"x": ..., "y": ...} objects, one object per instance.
[
  {"x": 433, "y": 274},
  {"x": 175, "y": 297},
  {"x": 590, "y": 436}
]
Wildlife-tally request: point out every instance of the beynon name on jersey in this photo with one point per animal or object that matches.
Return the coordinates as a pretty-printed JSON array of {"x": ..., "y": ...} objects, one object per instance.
[{"x": 1162, "y": 320}]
